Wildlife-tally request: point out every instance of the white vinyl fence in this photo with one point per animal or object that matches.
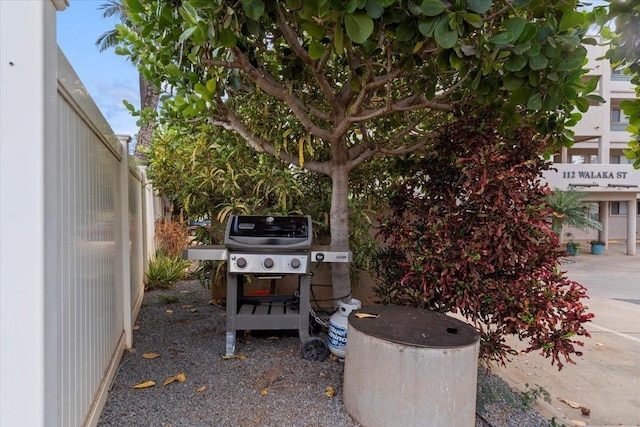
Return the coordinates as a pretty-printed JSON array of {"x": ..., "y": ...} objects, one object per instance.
[{"x": 77, "y": 219}]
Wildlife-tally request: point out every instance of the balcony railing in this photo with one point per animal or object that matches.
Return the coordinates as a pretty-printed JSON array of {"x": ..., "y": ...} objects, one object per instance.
[
  {"x": 619, "y": 77},
  {"x": 619, "y": 127}
]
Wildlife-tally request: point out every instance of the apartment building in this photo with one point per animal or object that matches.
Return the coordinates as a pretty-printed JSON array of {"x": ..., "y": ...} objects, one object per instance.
[{"x": 596, "y": 164}]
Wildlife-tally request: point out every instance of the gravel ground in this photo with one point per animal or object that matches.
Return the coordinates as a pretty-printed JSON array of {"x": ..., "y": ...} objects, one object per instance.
[{"x": 267, "y": 384}]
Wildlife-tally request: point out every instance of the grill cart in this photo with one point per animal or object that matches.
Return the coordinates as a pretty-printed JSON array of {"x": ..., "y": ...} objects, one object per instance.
[{"x": 269, "y": 247}]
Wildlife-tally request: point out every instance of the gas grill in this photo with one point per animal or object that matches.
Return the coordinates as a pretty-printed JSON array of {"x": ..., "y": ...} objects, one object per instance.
[
  {"x": 267, "y": 247},
  {"x": 268, "y": 244}
]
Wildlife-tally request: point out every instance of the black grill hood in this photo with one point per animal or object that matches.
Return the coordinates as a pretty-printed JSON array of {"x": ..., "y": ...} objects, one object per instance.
[{"x": 268, "y": 233}]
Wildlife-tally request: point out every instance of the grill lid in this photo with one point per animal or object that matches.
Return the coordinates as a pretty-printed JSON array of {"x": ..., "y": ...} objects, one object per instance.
[{"x": 270, "y": 233}]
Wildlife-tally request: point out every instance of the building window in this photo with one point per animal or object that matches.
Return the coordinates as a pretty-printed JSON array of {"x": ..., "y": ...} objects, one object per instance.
[
  {"x": 594, "y": 211},
  {"x": 620, "y": 160},
  {"x": 619, "y": 121},
  {"x": 615, "y": 115},
  {"x": 577, "y": 159},
  {"x": 620, "y": 208}
]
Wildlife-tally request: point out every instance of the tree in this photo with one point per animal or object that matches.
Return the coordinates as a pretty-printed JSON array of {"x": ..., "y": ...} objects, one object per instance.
[
  {"x": 149, "y": 96},
  {"x": 568, "y": 209},
  {"x": 468, "y": 233},
  {"x": 204, "y": 174},
  {"x": 235, "y": 178},
  {"x": 329, "y": 85}
]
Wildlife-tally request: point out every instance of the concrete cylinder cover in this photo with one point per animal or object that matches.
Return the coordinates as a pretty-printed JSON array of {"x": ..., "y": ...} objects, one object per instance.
[{"x": 410, "y": 367}]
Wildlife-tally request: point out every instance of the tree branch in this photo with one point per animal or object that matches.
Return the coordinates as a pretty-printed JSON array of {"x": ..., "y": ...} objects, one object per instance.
[
  {"x": 372, "y": 86},
  {"x": 362, "y": 157},
  {"x": 267, "y": 83},
  {"x": 292, "y": 39},
  {"x": 212, "y": 63},
  {"x": 406, "y": 149},
  {"x": 231, "y": 122},
  {"x": 407, "y": 104}
]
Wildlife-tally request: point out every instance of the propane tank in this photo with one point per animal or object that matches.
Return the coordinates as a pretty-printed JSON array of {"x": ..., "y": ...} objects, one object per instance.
[{"x": 338, "y": 327}]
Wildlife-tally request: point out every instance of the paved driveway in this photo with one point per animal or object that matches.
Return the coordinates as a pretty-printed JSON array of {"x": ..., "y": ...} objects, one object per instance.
[{"x": 606, "y": 379}]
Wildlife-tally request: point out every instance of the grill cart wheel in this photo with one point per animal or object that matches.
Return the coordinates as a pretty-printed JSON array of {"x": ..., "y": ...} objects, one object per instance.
[{"x": 315, "y": 349}]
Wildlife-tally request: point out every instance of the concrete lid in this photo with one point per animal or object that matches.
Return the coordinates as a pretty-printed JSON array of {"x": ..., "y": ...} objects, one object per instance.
[{"x": 414, "y": 327}]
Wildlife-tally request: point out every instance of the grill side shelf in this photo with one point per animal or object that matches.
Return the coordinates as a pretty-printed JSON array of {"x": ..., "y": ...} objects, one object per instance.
[
  {"x": 330, "y": 254},
  {"x": 206, "y": 252}
]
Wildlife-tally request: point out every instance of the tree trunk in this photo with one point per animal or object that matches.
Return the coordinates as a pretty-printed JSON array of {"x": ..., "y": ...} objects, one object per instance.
[
  {"x": 149, "y": 98},
  {"x": 339, "y": 225}
]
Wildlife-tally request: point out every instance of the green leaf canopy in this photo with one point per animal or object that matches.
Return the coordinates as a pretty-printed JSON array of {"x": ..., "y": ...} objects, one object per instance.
[{"x": 328, "y": 85}]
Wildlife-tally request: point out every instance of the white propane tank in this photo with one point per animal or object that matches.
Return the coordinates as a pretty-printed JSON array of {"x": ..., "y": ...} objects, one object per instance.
[{"x": 338, "y": 327}]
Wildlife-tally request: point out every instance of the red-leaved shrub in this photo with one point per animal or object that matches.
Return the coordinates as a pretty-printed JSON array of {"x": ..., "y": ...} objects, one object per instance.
[{"x": 468, "y": 233}]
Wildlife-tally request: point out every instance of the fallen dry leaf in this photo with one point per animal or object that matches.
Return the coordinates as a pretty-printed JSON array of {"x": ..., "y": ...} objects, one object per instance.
[
  {"x": 150, "y": 355},
  {"x": 578, "y": 423},
  {"x": 145, "y": 384},
  {"x": 570, "y": 403},
  {"x": 201, "y": 388},
  {"x": 185, "y": 306},
  {"x": 264, "y": 392},
  {"x": 257, "y": 421},
  {"x": 366, "y": 315},
  {"x": 585, "y": 411},
  {"x": 168, "y": 311},
  {"x": 599, "y": 344},
  {"x": 135, "y": 328},
  {"x": 193, "y": 310},
  {"x": 330, "y": 391},
  {"x": 181, "y": 377}
]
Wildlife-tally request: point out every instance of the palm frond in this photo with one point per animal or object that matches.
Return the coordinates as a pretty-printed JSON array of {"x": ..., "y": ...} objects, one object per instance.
[
  {"x": 568, "y": 209},
  {"x": 112, "y": 8},
  {"x": 107, "y": 40}
]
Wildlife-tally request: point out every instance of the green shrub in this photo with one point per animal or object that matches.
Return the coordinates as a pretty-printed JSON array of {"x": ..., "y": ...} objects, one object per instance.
[{"x": 164, "y": 271}]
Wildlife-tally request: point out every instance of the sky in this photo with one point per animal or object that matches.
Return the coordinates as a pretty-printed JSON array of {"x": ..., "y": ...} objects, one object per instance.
[{"x": 109, "y": 78}]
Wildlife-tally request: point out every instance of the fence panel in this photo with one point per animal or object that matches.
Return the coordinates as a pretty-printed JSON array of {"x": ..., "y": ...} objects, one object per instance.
[{"x": 93, "y": 283}]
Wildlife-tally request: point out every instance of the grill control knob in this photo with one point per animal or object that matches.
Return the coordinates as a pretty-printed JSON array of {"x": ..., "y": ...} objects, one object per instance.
[
  {"x": 268, "y": 263},
  {"x": 241, "y": 262},
  {"x": 295, "y": 263}
]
